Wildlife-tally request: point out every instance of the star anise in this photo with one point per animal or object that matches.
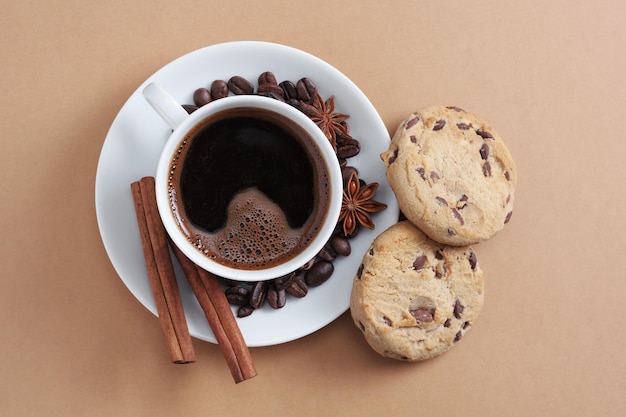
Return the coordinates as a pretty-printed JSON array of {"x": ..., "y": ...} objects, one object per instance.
[
  {"x": 323, "y": 114},
  {"x": 357, "y": 204}
]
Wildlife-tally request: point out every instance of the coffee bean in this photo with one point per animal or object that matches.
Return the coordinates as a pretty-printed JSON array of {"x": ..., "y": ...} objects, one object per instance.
[
  {"x": 297, "y": 288},
  {"x": 341, "y": 245},
  {"x": 308, "y": 265},
  {"x": 239, "y": 85},
  {"x": 219, "y": 89},
  {"x": 347, "y": 147},
  {"x": 283, "y": 282},
  {"x": 319, "y": 273},
  {"x": 307, "y": 91},
  {"x": 276, "y": 298},
  {"x": 190, "y": 108},
  {"x": 267, "y": 77},
  {"x": 258, "y": 294},
  {"x": 327, "y": 253},
  {"x": 201, "y": 97},
  {"x": 289, "y": 90},
  {"x": 237, "y": 295},
  {"x": 245, "y": 310},
  {"x": 271, "y": 90}
]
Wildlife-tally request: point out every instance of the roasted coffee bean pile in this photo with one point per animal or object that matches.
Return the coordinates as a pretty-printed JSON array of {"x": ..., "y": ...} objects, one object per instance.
[{"x": 303, "y": 95}]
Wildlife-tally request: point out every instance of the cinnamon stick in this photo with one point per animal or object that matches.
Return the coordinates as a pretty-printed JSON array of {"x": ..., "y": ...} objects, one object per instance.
[
  {"x": 220, "y": 316},
  {"x": 161, "y": 273}
]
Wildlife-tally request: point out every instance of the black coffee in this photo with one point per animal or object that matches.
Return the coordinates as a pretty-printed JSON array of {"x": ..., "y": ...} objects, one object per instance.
[{"x": 252, "y": 189}]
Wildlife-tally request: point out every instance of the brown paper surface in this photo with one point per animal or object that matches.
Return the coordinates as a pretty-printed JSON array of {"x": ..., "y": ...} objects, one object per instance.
[{"x": 548, "y": 76}]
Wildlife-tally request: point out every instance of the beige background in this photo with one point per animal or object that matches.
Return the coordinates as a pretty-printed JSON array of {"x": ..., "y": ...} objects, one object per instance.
[{"x": 549, "y": 76}]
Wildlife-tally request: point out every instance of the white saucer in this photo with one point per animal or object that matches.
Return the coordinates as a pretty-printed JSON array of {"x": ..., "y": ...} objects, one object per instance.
[{"x": 133, "y": 145}]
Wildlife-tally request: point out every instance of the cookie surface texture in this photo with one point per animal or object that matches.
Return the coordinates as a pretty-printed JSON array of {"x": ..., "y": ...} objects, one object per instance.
[
  {"x": 452, "y": 174},
  {"x": 414, "y": 298}
]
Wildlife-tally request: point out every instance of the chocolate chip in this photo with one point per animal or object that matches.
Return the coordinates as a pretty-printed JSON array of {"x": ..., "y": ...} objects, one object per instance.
[
  {"x": 507, "y": 175},
  {"x": 442, "y": 200},
  {"x": 458, "y": 309},
  {"x": 484, "y": 134},
  {"x": 463, "y": 126},
  {"x": 419, "y": 262},
  {"x": 439, "y": 254},
  {"x": 447, "y": 323},
  {"x": 451, "y": 231},
  {"x": 466, "y": 325},
  {"x": 412, "y": 122},
  {"x": 371, "y": 252},
  {"x": 439, "y": 124},
  {"x": 422, "y": 172},
  {"x": 393, "y": 157},
  {"x": 458, "y": 336},
  {"x": 473, "y": 260},
  {"x": 387, "y": 321},
  {"x": 458, "y": 216},
  {"x": 455, "y": 108},
  {"x": 484, "y": 151},
  {"x": 359, "y": 272},
  {"x": 462, "y": 203},
  {"x": 440, "y": 270},
  {"x": 422, "y": 315},
  {"x": 508, "y": 217},
  {"x": 487, "y": 169},
  {"x": 434, "y": 175},
  {"x": 413, "y": 139}
]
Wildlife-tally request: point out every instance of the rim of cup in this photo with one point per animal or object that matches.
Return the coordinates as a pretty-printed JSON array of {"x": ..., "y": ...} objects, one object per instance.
[{"x": 182, "y": 242}]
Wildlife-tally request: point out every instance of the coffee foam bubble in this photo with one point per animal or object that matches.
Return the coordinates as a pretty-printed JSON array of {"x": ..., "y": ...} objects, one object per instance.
[{"x": 256, "y": 234}]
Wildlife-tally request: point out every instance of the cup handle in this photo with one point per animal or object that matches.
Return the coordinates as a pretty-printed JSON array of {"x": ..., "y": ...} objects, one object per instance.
[{"x": 164, "y": 104}]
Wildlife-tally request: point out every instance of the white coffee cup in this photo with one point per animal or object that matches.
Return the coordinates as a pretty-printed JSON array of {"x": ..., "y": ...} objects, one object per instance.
[{"x": 183, "y": 123}]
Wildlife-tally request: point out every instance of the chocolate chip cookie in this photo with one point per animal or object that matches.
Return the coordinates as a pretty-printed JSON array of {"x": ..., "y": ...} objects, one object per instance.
[
  {"x": 414, "y": 298},
  {"x": 452, "y": 174}
]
